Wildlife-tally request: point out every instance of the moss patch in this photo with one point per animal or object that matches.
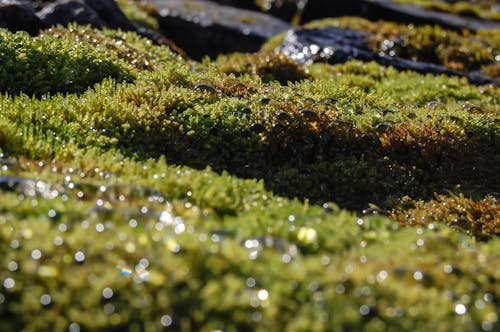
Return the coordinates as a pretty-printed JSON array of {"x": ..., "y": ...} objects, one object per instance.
[
  {"x": 47, "y": 65},
  {"x": 103, "y": 229}
]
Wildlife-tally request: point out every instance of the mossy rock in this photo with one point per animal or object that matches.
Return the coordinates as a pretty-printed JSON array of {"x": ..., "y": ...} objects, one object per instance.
[{"x": 188, "y": 198}]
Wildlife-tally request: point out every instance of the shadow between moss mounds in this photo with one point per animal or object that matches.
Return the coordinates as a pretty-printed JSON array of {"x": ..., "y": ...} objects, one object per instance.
[{"x": 302, "y": 151}]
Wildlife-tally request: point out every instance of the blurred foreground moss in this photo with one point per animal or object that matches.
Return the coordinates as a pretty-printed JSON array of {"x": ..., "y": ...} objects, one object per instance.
[
  {"x": 145, "y": 246},
  {"x": 101, "y": 230}
]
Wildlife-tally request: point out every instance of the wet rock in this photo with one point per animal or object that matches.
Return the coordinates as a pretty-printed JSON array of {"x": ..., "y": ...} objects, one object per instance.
[
  {"x": 33, "y": 16},
  {"x": 205, "y": 28},
  {"x": 392, "y": 11},
  {"x": 284, "y": 9},
  {"x": 338, "y": 45},
  {"x": 67, "y": 11},
  {"x": 19, "y": 16}
]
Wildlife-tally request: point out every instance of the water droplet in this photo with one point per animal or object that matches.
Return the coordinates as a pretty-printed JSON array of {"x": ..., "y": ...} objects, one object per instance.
[
  {"x": 364, "y": 310},
  {"x": 13, "y": 266},
  {"x": 418, "y": 275},
  {"x": 52, "y": 213},
  {"x": 460, "y": 309},
  {"x": 250, "y": 282},
  {"x": 79, "y": 257},
  {"x": 36, "y": 254},
  {"x": 386, "y": 111},
  {"x": 107, "y": 293},
  {"x": 257, "y": 128},
  {"x": 263, "y": 295},
  {"x": 204, "y": 87},
  {"x": 382, "y": 275},
  {"x": 309, "y": 114},
  {"x": 374, "y": 211},
  {"x": 74, "y": 327},
  {"x": 307, "y": 235},
  {"x": 45, "y": 299},
  {"x": 9, "y": 283},
  {"x": 384, "y": 127},
  {"x": 166, "y": 320},
  {"x": 284, "y": 117}
]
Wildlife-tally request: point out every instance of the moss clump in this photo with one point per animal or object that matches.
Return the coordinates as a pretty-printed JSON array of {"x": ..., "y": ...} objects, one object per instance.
[
  {"x": 112, "y": 234},
  {"x": 267, "y": 66},
  {"x": 36, "y": 66},
  {"x": 100, "y": 253},
  {"x": 139, "y": 12},
  {"x": 478, "y": 218}
]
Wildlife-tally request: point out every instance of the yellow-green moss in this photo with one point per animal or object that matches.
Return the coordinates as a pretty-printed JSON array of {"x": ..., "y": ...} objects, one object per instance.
[
  {"x": 123, "y": 207},
  {"x": 36, "y": 66}
]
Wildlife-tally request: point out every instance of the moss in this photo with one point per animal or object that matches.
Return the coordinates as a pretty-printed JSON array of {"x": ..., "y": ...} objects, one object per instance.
[
  {"x": 47, "y": 65},
  {"x": 479, "y": 9},
  {"x": 267, "y": 66},
  {"x": 125, "y": 206},
  {"x": 478, "y": 218},
  {"x": 139, "y": 12},
  {"x": 102, "y": 253},
  {"x": 457, "y": 50}
]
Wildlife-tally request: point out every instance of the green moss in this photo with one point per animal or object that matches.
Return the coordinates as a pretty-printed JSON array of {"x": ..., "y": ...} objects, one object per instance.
[
  {"x": 124, "y": 206},
  {"x": 103, "y": 253},
  {"x": 139, "y": 12},
  {"x": 267, "y": 66},
  {"x": 47, "y": 65}
]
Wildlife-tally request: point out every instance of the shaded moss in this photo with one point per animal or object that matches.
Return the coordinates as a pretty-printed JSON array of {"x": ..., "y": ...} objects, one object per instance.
[
  {"x": 139, "y": 12},
  {"x": 267, "y": 66}
]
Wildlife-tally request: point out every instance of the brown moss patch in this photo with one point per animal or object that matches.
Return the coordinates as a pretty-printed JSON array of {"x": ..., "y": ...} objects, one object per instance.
[
  {"x": 268, "y": 66},
  {"x": 480, "y": 219}
]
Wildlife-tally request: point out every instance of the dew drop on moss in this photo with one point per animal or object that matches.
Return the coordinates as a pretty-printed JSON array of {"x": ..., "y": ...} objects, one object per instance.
[
  {"x": 257, "y": 128},
  {"x": 384, "y": 127},
  {"x": 204, "y": 87},
  {"x": 284, "y": 117},
  {"x": 309, "y": 114}
]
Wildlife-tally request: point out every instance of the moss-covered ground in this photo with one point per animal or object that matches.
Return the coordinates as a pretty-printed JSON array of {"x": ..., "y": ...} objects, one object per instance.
[
  {"x": 151, "y": 192},
  {"x": 486, "y": 9}
]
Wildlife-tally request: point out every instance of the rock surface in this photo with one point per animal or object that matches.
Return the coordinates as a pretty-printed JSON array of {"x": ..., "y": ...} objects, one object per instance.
[
  {"x": 389, "y": 10},
  {"x": 337, "y": 45},
  {"x": 32, "y": 16},
  {"x": 204, "y": 28},
  {"x": 17, "y": 16}
]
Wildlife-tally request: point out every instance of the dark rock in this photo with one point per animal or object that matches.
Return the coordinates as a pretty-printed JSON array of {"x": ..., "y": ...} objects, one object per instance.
[
  {"x": 337, "y": 45},
  {"x": 19, "y": 16},
  {"x": 391, "y": 11},
  {"x": 33, "y": 16},
  {"x": 204, "y": 28},
  {"x": 110, "y": 13},
  {"x": 284, "y": 9},
  {"x": 66, "y": 11}
]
